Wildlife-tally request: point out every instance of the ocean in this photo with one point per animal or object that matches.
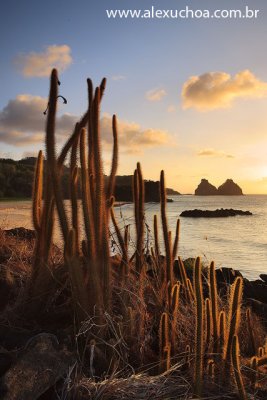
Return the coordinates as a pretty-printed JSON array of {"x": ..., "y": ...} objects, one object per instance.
[{"x": 239, "y": 242}]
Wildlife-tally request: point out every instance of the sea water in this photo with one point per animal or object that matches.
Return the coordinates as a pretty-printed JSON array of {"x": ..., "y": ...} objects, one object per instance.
[{"x": 239, "y": 242}]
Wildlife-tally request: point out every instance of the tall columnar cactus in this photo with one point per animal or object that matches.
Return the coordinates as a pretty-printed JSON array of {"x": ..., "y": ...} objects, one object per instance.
[
  {"x": 214, "y": 304},
  {"x": 199, "y": 335},
  {"x": 156, "y": 237},
  {"x": 233, "y": 317},
  {"x": 74, "y": 176},
  {"x": 95, "y": 293},
  {"x": 176, "y": 240},
  {"x": 96, "y": 205},
  {"x": 253, "y": 372},
  {"x": 78, "y": 289},
  {"x": 184, "y": 279},
  {"x": 236, "y": 364},
  {"x": 51, "y": 155},
  {"x": 164, "y": 343},
  {"x": 139, "y": 196},
  {"x": 208, "y": 325},
  {"x": 174, "y": 306},
  {"x": 114, "y": 165},
  {"x": 38, "y": 193},
  {"x": 222, "y": 332},
  {"x": 169, "y": 263},
  {"x": 211, "y": 369}
]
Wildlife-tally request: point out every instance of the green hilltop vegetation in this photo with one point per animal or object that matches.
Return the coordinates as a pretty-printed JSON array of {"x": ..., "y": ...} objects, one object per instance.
[{"x": 16, "y": 182}]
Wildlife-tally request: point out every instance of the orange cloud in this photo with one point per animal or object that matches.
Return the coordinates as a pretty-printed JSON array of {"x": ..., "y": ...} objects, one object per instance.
[
  {"x": 41, "y": 64},
  {"x": 22, "y": 122},
  {"x": 155, "y": 94},
  {"x": 132, "y": 138},
  {"x": 218, "y": 89},
  {"x": 214, "y": 153}
]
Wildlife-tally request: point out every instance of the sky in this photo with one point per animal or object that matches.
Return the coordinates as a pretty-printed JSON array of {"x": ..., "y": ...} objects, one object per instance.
[{"x": 190, "y": 94}]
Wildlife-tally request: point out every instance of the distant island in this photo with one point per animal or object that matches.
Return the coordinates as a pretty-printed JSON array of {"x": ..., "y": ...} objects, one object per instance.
[
  {"x": 228, "y": 188},
  {"x": 16, "y": 179},
  {"x": 123, "y": 190}
]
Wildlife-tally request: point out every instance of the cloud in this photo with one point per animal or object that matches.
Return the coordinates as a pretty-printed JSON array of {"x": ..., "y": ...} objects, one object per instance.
[
  {"x": 132, "y": 138},
  {"x": 218, "y": 89},
  {"x": 214, "y": 153},
  {"x": 155, "y": 94},
  {"x": 41, "y": 64},
  {"x": 118, "y": 78},
  {"x": 171, "y": 109},
  {"x": 22, "y": 123}
]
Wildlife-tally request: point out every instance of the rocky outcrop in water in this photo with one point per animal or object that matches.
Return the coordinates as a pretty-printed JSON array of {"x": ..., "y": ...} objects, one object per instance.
[
  {"x": 230, "y": 188},
  {"x": 219, "y": 213},
  {"x": 206, "y": 189}
]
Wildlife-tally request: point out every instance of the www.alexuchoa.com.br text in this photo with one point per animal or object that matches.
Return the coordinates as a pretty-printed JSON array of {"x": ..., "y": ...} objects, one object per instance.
[{"x": 185, "y": 13}]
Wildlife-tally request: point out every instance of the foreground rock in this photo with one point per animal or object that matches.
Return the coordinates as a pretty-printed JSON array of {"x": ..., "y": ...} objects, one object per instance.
[
  {"x": 39, "y": 367},
  {"x": 219, "y": 213},
  {"x": 21, "y": 233}
]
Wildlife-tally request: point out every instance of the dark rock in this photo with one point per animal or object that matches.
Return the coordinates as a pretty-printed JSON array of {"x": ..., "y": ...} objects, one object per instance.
[
  {"x": 226, "y": 275},
  {"x": 219, "y": 213},
  {"x": 38, "y": 368},
  {"x": 229, "y": 188},
  {"x": 258, "y": 308},
  {"x": 263, "y": 277},
  {"x": 21, "y": 233},
  {"x": 6, "y": 359},
  {"x": 206, "y": 189},
  {"x": 12, "y": 338},
  {"x": 256, "y": 290},
  {"x": 171, "y": 192}
]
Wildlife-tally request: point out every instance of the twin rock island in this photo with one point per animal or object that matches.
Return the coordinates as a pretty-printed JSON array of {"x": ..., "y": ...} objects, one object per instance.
[{"x": 228, "y": 188}]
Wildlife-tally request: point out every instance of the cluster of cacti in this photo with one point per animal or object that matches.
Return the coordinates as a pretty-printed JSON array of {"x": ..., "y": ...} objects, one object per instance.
[{"x": 96, "y": 279}]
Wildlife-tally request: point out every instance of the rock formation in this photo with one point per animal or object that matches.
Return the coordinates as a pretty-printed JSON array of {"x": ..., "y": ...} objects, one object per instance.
[
  {"x": 206, "y": 189},
  {"x": 229, "y": 188},
  {"x": 219, "y": 213}
]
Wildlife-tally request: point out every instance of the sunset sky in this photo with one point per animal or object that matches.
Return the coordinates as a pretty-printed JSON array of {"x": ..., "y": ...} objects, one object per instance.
[{"x": 190, "y": 94}]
